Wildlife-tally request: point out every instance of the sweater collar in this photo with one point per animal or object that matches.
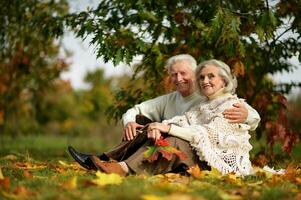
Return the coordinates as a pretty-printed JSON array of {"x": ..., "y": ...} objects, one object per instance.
[
  {"x": 218, "y": 94},
  {"x": 191, "y": 96}
]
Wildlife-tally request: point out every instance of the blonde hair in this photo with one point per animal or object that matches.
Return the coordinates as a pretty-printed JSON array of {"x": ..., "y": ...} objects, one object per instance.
[{"x": 224, "y": 72}]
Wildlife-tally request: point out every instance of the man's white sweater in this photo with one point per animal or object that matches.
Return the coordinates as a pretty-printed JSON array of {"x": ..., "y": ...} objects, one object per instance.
[{"x": 162, "y": 107}]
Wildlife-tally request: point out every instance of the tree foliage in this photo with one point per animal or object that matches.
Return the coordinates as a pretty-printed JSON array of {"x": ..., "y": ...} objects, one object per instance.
[
  {"x": 29, "y": 57},
  {"x": 256, "y": 38},
  {"x": 64, "y": 111}
]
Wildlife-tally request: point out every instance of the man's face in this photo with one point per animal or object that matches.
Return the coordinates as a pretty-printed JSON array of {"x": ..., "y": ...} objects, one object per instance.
[{"x": 182, "y": 77}]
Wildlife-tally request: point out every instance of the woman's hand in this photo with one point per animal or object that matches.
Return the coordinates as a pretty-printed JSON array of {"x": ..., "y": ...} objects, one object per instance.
[
  {"x": 160, "y": 126},
  {"x": 155, "y": 129}
]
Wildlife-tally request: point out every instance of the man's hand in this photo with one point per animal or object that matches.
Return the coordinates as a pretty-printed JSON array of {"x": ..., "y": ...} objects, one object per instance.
[
  {"x": 154, "y": 130},
  {"x": 129, "y": 131},
  {"x": 238, "y": 114}
]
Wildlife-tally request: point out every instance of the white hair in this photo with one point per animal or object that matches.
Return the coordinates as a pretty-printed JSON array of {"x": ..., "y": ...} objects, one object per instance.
[
  {"x": 224, "y": 72},
  {"x": 181, "y": 57}
]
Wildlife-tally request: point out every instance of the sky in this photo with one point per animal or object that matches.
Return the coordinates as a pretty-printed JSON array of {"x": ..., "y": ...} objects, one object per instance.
[{"x": 84, "y": 58}]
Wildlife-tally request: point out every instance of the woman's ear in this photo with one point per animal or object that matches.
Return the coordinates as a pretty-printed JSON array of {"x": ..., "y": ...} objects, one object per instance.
[{"x": 225, "y": 83}]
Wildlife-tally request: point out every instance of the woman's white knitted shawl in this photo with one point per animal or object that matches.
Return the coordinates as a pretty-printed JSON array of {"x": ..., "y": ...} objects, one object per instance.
[{"x": 223, "y": 145}]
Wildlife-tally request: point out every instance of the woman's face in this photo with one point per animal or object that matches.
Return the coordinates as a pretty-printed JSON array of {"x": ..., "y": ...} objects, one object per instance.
[{"x": 210, "y": 81}]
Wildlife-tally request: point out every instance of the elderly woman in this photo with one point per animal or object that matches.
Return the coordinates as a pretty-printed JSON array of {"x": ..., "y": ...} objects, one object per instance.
[{"x": 223, "y": 145}]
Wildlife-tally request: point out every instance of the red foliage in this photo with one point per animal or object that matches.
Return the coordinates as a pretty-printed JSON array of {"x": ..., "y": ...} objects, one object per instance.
[
  {"x": 163, "y": 148},
  {"x": 162, "y": 142},
  {"x": 279, "y": 129}
]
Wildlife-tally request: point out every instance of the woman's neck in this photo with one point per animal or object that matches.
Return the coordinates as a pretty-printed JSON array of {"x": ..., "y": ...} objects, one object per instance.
[{"x": 217, "y": 94}]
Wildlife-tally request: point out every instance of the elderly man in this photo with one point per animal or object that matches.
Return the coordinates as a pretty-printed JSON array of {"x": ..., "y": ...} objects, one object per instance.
[{"x": 181, "y": 69}]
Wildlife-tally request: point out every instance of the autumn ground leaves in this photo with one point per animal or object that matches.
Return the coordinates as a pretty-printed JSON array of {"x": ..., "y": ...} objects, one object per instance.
[
  {"x": 40, "y": 168},
  {"x": 26, "y": 178}
]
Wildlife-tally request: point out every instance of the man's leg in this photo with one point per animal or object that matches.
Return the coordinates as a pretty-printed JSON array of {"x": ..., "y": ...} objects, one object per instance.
[
  {"x": 126, "y": 148},
  {"x": 118, "y": 153},
  {"x": 139, "y": 165}
]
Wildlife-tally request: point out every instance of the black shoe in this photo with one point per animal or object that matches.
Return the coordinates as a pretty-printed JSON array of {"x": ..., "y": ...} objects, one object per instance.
[{"x": 82, "y": 159}]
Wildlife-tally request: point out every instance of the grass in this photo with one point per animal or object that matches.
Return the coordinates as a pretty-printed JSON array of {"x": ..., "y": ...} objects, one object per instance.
[
  {"x": 39, "y": 167},
  {"x": 51, "y": 146}
]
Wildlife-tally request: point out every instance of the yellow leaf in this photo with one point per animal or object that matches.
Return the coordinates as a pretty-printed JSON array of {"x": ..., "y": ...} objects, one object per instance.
[
  {"x": 70, "y": 184},
  {"x": 107, "y": 179},
  {"x": 27, "y": 165},
  {"x": 255, "y": 184},
  {"x": 9, "y": 195},
  {"x": 10, "y": 157},
  {"x": 152, "y": 197},
  {"x": 195, "y": 171},
  {"x": 1, "y": 175},
  {"x": 262, "y": 173},
  {"x": 63, "y": 163},
  {"x": 232, "y": 178},
  {"x": 232, "y": 197},
  {"x": 172, "y": 175},
  {"x": 214, "y": 173}
]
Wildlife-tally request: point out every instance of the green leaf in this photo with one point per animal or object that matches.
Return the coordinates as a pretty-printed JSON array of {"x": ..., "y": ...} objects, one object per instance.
[
  {"x": 119, "y": 56},
  {"x": 151, "y": 153}
]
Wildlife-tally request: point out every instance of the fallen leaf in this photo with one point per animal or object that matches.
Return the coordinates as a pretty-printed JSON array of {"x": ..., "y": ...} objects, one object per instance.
[
  {"x": 63, "y": 163},
  {"x": 27, "y": 174},
  {"x": 262, "y": 173},
  {"x": 195, "y": 171},
  {"x": 10, "y": 157},
  {"x": 177, "y": 178},
  {"x": 224, "y": 195},
  {"x": 23, "y": 191},
  {"x": 88, "y": 183},
  {"x": 255, "y": 195},
  {"x": 175, "y": 196},
  {"x": 255, "y": 184},
  {"x": 107, "y": 179},
  {"x": 275, "y": 180},
  {"x": 298, "y": 180},
  {"x": 5, "y": 183},
  {"x": 1, "y": 175},
  {"x": 232, "y": 178},
  {"x": 70, "y": 184},
  {"x": 214, "y": 173},
  {"x": 298, "y": 196},
  {"x": 27, "y": 165},
  {"x": 290, "y": 173},
  {"x": 151, "y": 197},
  {"x": 60, "y": 170},
  {"x": 238, "y": 192},
  {"x": 9, "y": 195}
]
